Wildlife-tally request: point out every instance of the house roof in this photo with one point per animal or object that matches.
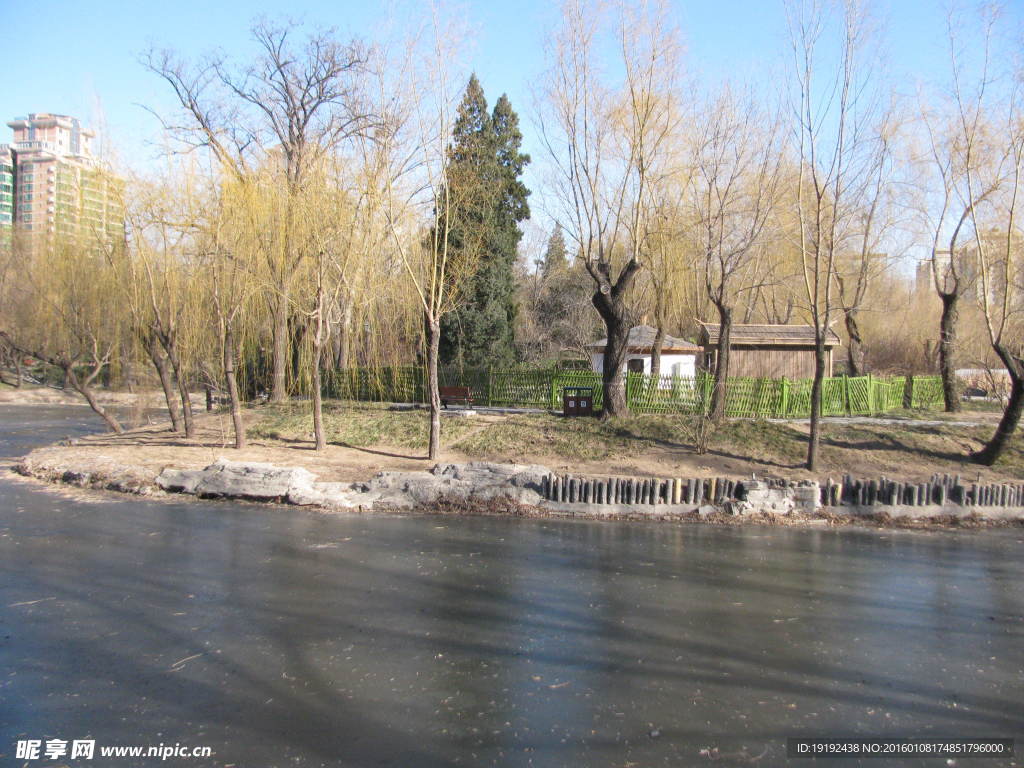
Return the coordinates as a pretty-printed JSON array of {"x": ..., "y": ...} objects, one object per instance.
[
  {"x": 768, "y": 335},
  {"x": 641, "y": 337}
]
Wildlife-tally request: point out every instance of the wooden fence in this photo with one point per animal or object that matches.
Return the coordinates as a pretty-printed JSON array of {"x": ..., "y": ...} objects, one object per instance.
[{"x": 745, "y": 397}]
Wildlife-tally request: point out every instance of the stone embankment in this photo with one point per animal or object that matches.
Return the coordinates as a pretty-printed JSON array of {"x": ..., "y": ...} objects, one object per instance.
[
  {"x": 943, "y": 496},
  {"x": 536, "y": 489},
  {"x": 478, "y": 481}
]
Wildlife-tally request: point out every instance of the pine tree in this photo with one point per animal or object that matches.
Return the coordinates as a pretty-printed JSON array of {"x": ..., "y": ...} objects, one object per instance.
[
  {"x": 555, "y": 261},
  {"x": 563, "y": 305},
  {"x": 485, "y": 180}
]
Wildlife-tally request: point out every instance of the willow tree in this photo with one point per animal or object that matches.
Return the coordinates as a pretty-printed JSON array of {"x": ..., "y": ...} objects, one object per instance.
[
  {"x": 64, "y": 310},
  {"x": 420, "y": 198},
  {"x": 161, "y": 288},
  {"x": 341, "y": 225},
  {"x": 298, "y": 101},
  {"x": 230, "y": 251},
  {"x": 609, "y": 143},
  {"x": 733, "y": 194}
]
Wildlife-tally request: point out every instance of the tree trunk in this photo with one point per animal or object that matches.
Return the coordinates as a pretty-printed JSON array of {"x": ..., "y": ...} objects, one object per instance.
[
  {"x": 433, "y": 390},
  {"x": 659, "y": 342},
  {"x": 160, "y": 363},
  {"x": 86, "y": 391},
  {"x": 722, "y": 363},
  {"x": 298, "y": 327},
  {"x": 318, "y": 347},
  {"x": 1010, "y": 421},
  {"x": 318, "y": 409},
  {"x": 232, "y": 382},
  {"x": 18, "y": 374},
  {"x": 613, "y": 382},
  {"x": 128, "y": 368},
  {"x": 341, "y": 339},
  {"x": 279, "y": 380},
  {"x": 819, "y": 378},
  {"x": 186, "y": 401},
  {"x": 855, "y": 349},
  {"x": 609, "y": 303},
  {"x": 947, "y": 350}
]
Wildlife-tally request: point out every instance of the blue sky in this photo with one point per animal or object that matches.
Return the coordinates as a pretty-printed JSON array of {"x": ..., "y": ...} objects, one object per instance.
[{"x": 82, "y": 59}]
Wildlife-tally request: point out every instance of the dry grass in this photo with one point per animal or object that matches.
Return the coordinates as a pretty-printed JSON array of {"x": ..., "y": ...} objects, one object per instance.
[
  {"x": 362, "y": 425},
  {"x": 366, "y": 438},
  {"x": 653, "y": 443}
]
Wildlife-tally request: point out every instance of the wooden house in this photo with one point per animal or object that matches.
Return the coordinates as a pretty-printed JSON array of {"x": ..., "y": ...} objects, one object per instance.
[{"x": 772, "y": 351}]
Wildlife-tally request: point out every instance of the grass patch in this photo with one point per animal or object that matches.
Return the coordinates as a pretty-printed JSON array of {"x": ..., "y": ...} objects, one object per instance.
[
  {"x": 357, "y": 424},
  {"x": 904, "y": 446},
  {"x": 592, "y": 439},
  {"x": 915, "y": 445},
  {"x": 761, "y": 439}
]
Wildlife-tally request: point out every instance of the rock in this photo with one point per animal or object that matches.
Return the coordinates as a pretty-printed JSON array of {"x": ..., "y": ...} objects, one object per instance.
[
  {"x": 235, "y": 479},
  {"x": 520, "y": 483},
  {"x": 460, "y": 414},
  {"x": 179, "y": 480}
]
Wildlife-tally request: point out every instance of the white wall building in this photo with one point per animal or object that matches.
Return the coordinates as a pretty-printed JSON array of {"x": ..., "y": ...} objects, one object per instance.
[{"x": 678, "y": 356}]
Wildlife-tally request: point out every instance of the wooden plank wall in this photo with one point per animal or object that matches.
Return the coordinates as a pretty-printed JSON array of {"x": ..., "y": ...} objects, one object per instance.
[{"x": 775, "y": 362}]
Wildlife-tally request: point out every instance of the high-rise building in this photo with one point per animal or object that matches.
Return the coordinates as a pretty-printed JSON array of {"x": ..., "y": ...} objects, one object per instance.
[
  {"x": 57, "y": 186},
  {"x": 6, "y": 196}
]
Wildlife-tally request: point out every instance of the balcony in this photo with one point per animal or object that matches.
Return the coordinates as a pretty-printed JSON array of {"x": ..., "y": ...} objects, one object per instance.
[{"x": 49, "y": 146}]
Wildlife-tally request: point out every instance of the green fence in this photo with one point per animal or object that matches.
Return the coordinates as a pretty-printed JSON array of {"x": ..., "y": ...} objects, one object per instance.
[{"x": 744, "y": 397}]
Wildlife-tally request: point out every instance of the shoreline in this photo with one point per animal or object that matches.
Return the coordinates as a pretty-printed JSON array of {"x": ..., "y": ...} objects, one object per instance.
[
  {"x": 477, "y": 501},
  {"x": 152, "y": 461}
]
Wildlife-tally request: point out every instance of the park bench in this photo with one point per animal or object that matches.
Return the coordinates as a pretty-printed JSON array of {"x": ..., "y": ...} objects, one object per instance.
[{"x": 455, "y": 395}]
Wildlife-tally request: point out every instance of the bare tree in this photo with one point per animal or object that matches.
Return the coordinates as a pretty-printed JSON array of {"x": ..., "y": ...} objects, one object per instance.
[
  {"x": 960, "y": 179},
  {"x": 836, "y": 141},
  {"x": 609, "y": 145},
  {"x": 733, "y": 195},
  {"x": 293, "y": 104},
  {"x": 862, "y": 261},
  {"x": 998, "y": 250},
  {"x": 417, "y": 200}
]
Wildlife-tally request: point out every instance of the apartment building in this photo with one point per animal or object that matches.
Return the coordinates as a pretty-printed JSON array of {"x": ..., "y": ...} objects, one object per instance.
[
  {"x": 6, "y": 196},
  {"x": 56, "y": 185}
]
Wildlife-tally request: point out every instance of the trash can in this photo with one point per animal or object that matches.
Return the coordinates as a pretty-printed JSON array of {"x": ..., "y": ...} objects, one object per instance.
[{"x": 578, "y": 401}]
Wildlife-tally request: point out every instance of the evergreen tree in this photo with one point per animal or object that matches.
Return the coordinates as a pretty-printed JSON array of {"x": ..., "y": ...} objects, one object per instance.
[
  {"x": 555, "y": 261},
  {"x": 563, "y": 304},
  {"x": 486, "y": 164}
]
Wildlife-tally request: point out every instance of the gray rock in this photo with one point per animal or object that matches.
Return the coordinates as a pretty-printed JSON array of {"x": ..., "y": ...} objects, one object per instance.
[
  {"x": 251, "y": 480},
  {"x": 520, "y": 483},
  {"x": 179, "y": 480}
]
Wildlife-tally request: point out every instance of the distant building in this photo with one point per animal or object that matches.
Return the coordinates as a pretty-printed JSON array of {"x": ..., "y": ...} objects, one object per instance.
[
  {"x": 678, "y": 356},
  {"x": 56, "y": 185},
  {"x": 966, "y": 272},
  {"x": 767, "y": 351},
  {"x": 6, "y": 196}
]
